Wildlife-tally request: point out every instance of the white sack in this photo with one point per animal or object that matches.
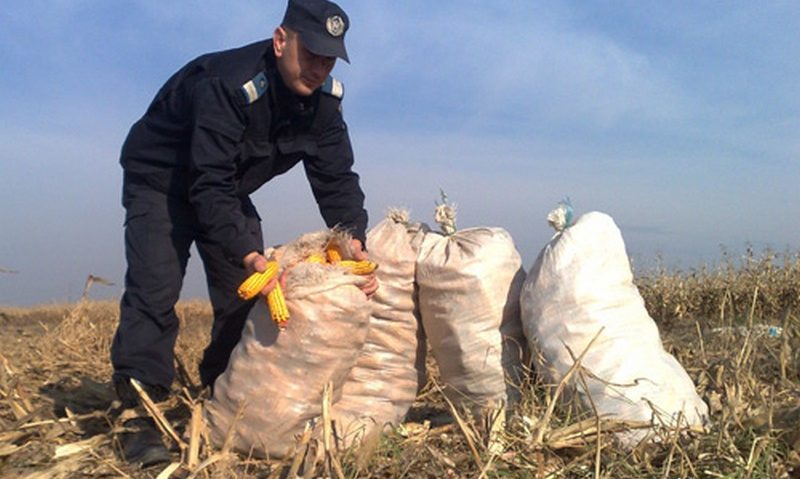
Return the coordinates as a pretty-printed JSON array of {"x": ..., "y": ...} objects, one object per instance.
[
  {"x": 469, "y": 285},
  {"x": 582, "y": 283},
  {"x": 391, "y": 368},
  {"x": 278, "y": 377}
]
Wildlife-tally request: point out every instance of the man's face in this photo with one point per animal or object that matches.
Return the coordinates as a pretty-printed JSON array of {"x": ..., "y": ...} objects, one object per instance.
[{"x": 301, "y": 71}]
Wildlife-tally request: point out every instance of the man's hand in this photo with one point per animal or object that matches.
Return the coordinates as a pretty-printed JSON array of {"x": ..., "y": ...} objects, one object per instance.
[
  {"x": 255, "y": 262},
  {"x": 359, "y": 254}
]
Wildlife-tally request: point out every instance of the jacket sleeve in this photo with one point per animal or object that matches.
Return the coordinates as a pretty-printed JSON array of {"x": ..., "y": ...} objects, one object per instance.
[
  {"x": 334, "y": 183},
  {"x": 217, "y": 130}
]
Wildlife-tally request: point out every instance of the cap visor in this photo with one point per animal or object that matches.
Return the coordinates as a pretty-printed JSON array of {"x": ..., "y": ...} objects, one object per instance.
[{"x": 324, "y": 45}]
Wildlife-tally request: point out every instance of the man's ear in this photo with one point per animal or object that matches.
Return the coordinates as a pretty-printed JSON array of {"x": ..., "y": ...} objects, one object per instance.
[{"x": 279, "y": 41}]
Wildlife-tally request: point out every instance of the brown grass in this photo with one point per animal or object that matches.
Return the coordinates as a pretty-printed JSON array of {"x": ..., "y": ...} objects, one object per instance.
[
  {"x": 56, "y": 416},
  {"x": 766, "y": 283}
]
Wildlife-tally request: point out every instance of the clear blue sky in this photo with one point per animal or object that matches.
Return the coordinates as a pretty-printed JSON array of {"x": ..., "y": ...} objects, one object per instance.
[{"x": 681, "y": 119}]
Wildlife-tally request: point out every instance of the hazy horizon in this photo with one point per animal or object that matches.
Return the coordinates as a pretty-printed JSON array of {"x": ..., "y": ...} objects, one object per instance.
[{"x": 679, "y": 119}]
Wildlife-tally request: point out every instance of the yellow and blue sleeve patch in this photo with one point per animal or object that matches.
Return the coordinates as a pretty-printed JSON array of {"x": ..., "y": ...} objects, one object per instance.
[
  {"x": 333, "y": 87},
  {"x": 255, "y": 88}
]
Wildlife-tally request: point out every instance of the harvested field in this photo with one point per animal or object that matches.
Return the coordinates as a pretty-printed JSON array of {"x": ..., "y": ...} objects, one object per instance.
[{"x": 57, "y": 418}]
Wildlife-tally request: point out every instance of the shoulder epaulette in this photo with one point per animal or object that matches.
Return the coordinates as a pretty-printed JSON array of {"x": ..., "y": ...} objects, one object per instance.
[
  {"x": 333, "y": 87},
  {"x": 254, "y": 88}
]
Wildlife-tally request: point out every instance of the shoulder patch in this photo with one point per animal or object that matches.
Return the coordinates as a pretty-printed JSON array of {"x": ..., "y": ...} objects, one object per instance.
[
  {"x": 333, "y": 87},
  {"x": 255, "y": 88}
]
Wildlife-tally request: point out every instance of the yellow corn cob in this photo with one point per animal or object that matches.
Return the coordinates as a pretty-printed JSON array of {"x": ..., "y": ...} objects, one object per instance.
[
  {"x": 256, "y": 282},
  {"x": 277, "y": 306},
  {"x": 333, "y": 253},
  {"x": 359, "y": 267},
  {"x": 316, "y": 258}
]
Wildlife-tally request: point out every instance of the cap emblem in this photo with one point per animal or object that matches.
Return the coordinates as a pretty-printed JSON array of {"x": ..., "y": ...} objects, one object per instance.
[{"x": 335, "y": 25}]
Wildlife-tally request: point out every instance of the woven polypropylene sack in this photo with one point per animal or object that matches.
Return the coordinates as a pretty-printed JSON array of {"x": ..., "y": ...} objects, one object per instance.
[
  {"x": 274, "y": 381},
  {"x": 469, "y": 284},
  {"x": 391, "y": 367},
  {"x": 579, "y": 290}
]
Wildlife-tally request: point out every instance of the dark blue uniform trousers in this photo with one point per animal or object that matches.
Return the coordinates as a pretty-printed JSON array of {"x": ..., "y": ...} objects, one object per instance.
[{"x": 159, "y": 229}]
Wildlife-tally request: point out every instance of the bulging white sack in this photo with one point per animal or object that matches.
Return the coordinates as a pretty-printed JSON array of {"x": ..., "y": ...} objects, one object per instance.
[
  {"x": 581, "y": 285},
  {"x": 275, "y": 379},
  {"x": 391, "y": 367},
  {"x": 469, "y": 284}
]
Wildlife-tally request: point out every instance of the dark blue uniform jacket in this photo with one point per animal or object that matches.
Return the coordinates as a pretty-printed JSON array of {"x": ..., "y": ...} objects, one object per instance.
[{"x": 203, "y": 139}]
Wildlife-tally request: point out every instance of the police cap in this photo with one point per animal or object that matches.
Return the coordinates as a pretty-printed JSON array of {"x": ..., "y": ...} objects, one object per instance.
[{"x": 321, "y": 25}]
